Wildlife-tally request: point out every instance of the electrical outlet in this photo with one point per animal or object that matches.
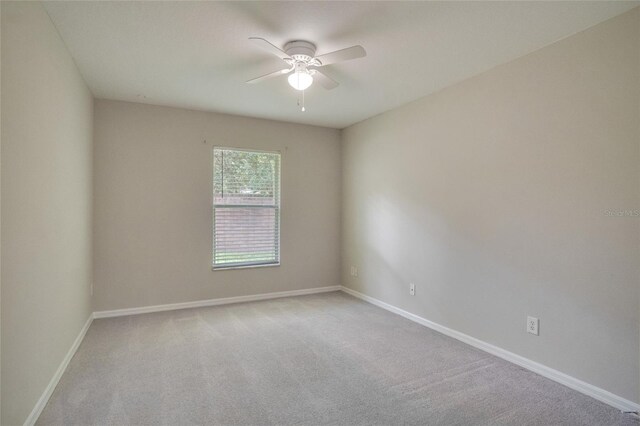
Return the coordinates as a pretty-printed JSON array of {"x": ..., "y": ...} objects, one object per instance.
[
  {"x": 354, "y": 271},
  {"x": 532, "y": 325},
  {"x": 412, "y": 289}
]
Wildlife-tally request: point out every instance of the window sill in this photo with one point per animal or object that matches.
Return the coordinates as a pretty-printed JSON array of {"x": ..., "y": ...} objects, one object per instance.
[{"x": 225, "y": 268}]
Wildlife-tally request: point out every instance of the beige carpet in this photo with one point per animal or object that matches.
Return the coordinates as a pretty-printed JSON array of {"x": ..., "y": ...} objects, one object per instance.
[{"x": 316, "y": 360}]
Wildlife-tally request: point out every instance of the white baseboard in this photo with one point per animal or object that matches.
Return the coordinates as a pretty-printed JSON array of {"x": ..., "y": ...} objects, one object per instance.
[
  {"x": 42, "y": 402},
  {"x": 44, "y": 398},
  {"x": 571, "y": 382},
  {"x": 212, "y": 302},
  {"x": 555, "y": 375}
]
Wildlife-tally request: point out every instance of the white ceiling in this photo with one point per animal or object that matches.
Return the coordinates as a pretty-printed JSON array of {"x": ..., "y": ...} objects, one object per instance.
[{"x": 197, "y": 54}]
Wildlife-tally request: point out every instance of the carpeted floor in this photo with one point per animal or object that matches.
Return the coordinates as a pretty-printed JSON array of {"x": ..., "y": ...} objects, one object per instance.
[{"x": 313, "y": 360}]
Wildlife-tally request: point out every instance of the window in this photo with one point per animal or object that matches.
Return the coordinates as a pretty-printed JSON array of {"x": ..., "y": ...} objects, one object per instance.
[{"x": 246, "y": 208}]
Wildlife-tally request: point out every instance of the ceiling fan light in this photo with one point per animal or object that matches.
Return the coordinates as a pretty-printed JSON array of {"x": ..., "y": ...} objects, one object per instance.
[{"x": 300, "y": 80}]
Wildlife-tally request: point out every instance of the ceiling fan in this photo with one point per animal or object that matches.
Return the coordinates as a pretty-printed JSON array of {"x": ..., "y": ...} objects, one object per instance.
[{"x": 303, "y": 65}]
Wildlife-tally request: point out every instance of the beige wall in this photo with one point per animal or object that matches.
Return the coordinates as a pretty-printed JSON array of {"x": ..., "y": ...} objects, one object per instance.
[
  {"x": 0, "y": 223},
  {"x": 153, "y": 195},
  {"x": 46, "y": 205},
  {"x": 491, "y": 197}
]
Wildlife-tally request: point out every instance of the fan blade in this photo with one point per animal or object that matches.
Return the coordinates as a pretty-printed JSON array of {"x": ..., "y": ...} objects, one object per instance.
[
  {"x": 324, "y": 80},
  {"x": 347, "y": 54},
  {"x": 269, "y": 47},
  {"x": 270, "y": 75}
]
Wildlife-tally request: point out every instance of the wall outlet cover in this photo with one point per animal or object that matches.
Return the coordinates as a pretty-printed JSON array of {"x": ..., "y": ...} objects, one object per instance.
[{"x": 532, "y": 325}]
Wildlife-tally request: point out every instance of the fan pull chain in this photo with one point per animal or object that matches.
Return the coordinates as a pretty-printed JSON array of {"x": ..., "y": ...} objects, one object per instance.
[{"x": 302, "y": 108}]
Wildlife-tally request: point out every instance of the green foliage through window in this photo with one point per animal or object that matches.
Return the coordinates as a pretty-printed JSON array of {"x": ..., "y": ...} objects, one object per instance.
[
  {"x": 245, "y": 174},
  {"x": 246, "y": 208}
]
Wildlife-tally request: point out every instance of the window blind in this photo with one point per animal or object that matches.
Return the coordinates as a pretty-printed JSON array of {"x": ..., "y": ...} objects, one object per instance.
[{"x": 246, "y": 208}]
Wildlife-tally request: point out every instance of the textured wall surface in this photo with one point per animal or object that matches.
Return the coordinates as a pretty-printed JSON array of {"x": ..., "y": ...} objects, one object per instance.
[
  {"x": 153, "y": 205},
  {"x": 498, "y": 198},
  {"x": 47, "y": 115}
]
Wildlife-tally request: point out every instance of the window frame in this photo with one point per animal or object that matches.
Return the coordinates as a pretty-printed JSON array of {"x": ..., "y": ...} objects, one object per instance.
[{"x": 213, "y": 209}]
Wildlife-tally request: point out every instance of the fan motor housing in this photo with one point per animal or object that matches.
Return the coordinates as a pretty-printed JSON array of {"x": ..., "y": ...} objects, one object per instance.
[{"x": 300, "y": 50}]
